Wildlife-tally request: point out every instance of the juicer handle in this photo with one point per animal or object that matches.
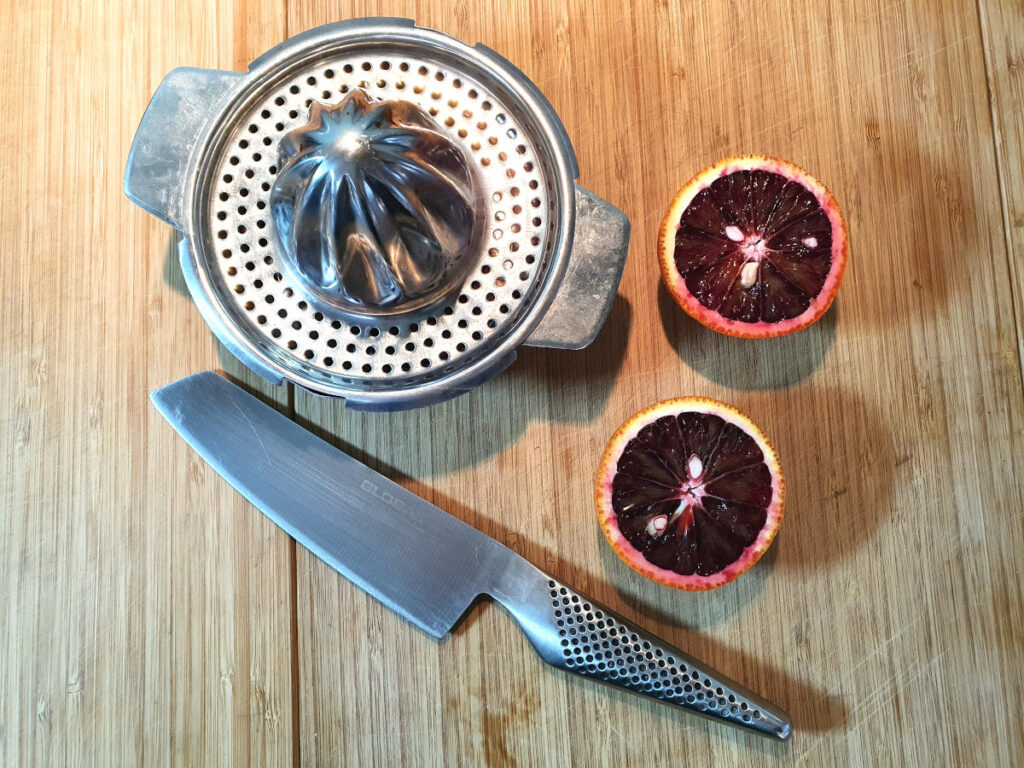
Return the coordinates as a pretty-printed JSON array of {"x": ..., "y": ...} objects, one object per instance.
[
  {"x": 170, "y": 130},
  {"x": 600, "y": 243}
]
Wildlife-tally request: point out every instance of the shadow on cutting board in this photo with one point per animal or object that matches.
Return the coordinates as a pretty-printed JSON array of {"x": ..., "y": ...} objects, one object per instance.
[
  {"x": 811, "y": 710},
  {"x": 555, "y": 385},
  {"x": 746, "y": 363},
  {"x": 715, "y": 606},
  {"x": 574, "y": 384},
  {"x": 172, "y": 264},
  {"x": 550, "y": 385}
]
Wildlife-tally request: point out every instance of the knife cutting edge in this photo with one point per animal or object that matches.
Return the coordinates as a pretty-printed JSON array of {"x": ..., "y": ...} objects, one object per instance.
[{"x": 427, "y": 565}]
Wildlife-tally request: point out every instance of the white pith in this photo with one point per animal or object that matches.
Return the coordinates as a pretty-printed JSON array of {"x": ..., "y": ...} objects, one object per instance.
[{"x": 691, "y": 494}]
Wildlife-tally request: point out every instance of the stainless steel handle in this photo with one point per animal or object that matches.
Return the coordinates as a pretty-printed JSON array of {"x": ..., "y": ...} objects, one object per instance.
[
  {"x": 168, "y": 134},
  {"x": 575, "y": 633},
  {"x": 585, "y": 297}
]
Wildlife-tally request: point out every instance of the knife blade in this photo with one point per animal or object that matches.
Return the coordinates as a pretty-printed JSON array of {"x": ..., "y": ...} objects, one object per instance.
[{"x": 427, "y": 565}]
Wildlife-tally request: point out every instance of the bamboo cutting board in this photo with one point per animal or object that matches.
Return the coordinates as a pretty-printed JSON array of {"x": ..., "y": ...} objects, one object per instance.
[{"x": 149, "y": 616}]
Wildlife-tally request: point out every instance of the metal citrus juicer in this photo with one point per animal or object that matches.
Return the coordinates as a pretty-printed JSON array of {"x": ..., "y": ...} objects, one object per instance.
[{"x": 377, "y": 211}]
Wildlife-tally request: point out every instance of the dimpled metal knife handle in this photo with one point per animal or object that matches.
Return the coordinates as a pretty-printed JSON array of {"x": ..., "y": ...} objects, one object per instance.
[{"x": 583, "y": 637}]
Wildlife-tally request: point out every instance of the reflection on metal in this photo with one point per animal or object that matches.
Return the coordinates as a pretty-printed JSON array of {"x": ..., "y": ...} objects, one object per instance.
[{"x": 375, "y": 209}]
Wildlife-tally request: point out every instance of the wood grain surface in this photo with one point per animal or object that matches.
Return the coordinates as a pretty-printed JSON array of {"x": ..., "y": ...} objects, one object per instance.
[{"x": 149, "y": 616}]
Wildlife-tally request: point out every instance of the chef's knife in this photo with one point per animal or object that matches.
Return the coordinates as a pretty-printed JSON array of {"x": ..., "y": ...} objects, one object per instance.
[{"x": 427, "y": 565}]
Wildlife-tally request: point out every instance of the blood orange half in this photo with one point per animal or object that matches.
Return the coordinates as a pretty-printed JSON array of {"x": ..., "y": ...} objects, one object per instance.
[
  {"x": 753, "y": 246},
  {"x": 690, "y": 493}
]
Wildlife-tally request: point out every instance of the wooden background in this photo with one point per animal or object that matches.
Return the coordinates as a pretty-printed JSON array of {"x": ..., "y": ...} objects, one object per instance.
[{"x": 149, "y": 616}]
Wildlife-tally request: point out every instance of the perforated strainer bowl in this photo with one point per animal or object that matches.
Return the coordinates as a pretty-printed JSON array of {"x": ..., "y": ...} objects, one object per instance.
[{"x": 545, "y": 262}]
